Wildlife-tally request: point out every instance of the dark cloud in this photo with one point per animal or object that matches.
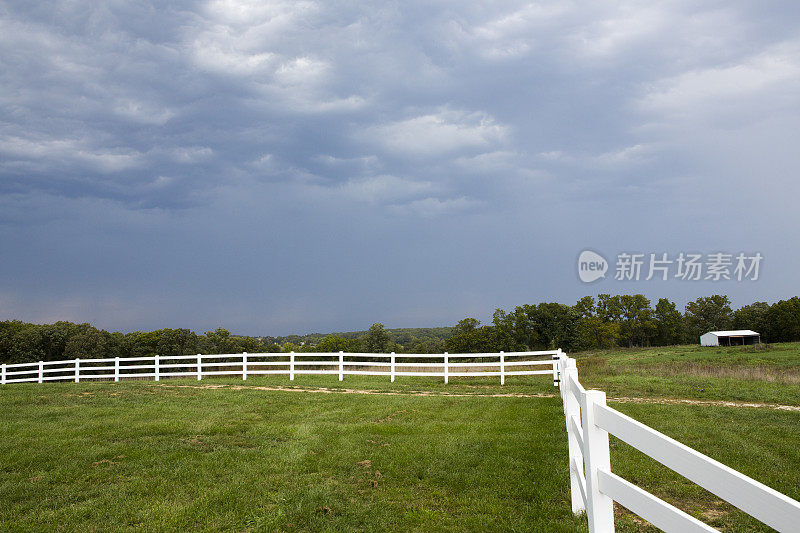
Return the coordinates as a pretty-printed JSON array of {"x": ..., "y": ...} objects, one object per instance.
[{"x": 287, "y": 166}]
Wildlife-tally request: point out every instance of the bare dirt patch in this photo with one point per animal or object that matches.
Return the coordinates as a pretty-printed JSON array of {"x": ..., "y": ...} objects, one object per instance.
[
  {"x": 325, "y": 390},
  {"x": 621, "y": 399},
  {"x": 718, "y": 403},
  {"x": 107, "y": 462}
]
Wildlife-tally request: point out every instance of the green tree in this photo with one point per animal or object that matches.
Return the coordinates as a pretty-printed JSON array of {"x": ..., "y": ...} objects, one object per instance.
[
  {"x": 585, "y": 307},
  {"x": 669, "y": 323},
  {"x": 707, "y": 313},
  {"x": 429, "y": 345},
  {"x": 88, "y": 342},
  {"x": 783, "y": 321},
  {"x": 556, "y": 326},
  {"x": 289, "y": 347},
  {"x": 637, "y": 326},
  {"x": 249, "y": 344},
  {"x": 54, "y": 339},
  {"x": 609, "y": 308},
  {"x": 376, "y": 340},
  {"x": 604, "y": 334},
  {"x": 334, "y": 343},
  {"x": 468, "y": 337},
  {"x": 27, "y": 345},
  {"x": 509, "y": 334},
  {"x": 546, "y": 326},
  {"x": 176, "y": 342},
  {"x": 220, "y": 341},
  {"x": 753, "y": 316}
]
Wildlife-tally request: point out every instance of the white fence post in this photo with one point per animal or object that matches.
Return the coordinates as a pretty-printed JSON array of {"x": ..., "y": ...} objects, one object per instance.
[
  {"x": 446, "y": 364},
  {"x": 244, "y": 366},
  {"x": 199, "y": 367},
  {"x": 556, "y": 359},
  {"x": 571, "y": 409},
  {"x": 502, "y": 368},
  {"x": 116, "y": 369},
  {"x": 41, "y": 371},
  {"x": 341, "y": 365},
  {"x": 291, "y": 366},
  {"x": 157, "y": 359},
  {"x": 77, "y": 370},
  {"x": 392, "y": 369},
  {"x": 4, "y": 374},
  {"x": 600, "y": 507}
]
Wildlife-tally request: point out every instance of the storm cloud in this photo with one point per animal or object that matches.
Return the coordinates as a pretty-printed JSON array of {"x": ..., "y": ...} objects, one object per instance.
[{"x": 278, "y": 167}]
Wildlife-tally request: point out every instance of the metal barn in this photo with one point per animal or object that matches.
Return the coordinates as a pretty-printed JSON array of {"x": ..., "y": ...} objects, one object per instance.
[{"x": 740, "y": 337}]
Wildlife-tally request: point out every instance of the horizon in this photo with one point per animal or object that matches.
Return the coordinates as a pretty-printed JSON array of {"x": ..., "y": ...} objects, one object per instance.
[{"x": 681, "y": 308}]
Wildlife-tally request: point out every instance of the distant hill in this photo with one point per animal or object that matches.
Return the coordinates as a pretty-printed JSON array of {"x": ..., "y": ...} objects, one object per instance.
[{"x": 404, "y": 336}]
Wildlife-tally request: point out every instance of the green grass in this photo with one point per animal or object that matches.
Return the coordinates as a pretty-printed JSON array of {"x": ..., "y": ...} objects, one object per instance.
[
  {"x": 770, "y": 374},
  {"x": 170, "y": 456},
  {"x": 760, "y": 443},
  {"x": 138, "y": 455}
]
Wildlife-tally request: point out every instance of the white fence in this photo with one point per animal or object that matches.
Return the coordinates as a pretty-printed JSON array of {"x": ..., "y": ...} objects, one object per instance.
[
  {"x": 594, "y": 487},
  {"x": 291, "y": 364}
]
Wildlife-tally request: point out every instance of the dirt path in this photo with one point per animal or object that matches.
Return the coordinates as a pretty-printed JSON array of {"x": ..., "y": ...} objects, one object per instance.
[
  {"x": 325, "y": 390},
  {"x": 376, "y": 392},
  {"x": 721, "y": 403}
]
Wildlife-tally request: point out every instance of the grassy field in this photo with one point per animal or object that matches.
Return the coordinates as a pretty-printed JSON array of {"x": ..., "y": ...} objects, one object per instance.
[
  {"x": 752, "y": 374},
  {"x": 136, "y": 454},
  {"x": 227, "y": 455}
]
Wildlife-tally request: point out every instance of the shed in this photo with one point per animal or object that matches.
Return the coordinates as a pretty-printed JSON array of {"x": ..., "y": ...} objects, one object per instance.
[{"x": 739, "y": 337}]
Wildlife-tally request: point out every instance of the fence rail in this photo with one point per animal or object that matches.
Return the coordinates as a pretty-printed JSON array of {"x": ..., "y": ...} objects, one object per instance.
[
  {"x": 589, "y": 422},
  {"x": 251, "y": 364},
  {"x": 595, "y": 488}
]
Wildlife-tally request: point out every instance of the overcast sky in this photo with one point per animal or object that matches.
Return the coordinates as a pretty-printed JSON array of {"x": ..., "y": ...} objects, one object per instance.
[{"x": 301, "y": 166}]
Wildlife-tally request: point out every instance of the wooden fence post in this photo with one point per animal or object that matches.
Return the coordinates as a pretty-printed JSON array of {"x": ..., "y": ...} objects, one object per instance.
[
  {"x": 572, "y": 411},
  {"x": 341, "y": 365},
  {"x": 446, "y": 363},
  {"x": 502, "y": 368},
  {"x": 41, "y": 371},
  {"x": 244, "y": 366},
  {"x": 157, "y": 360},
  {"x": 392, "y": 368},
  {"x": 116, "y": 369},
  {"x": 600, "y": 507},
  {"x": 199, "y": 367},
  {"x": 77, "y": 370},
  {"x": 291, "y": 366},
  {"x": 4, "y": 374}
]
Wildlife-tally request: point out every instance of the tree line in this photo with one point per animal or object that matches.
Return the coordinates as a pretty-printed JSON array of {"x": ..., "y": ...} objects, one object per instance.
[
  {"x": 22, "y": 342},
  {"x": 622, "y": 320},
  {"x": 603, "y": 322}
]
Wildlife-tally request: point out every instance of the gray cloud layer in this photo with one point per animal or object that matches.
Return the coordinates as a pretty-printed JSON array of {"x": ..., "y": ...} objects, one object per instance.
[{"x": 295, "y": 166}]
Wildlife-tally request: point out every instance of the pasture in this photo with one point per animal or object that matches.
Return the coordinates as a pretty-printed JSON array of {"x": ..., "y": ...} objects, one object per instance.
[
  {"x": 414, "y": 455},
  {"x": 769, "y": 373}
]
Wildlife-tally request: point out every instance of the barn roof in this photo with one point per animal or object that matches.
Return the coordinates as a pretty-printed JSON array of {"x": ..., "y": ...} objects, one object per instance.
[{"x": 733, "y": 333}]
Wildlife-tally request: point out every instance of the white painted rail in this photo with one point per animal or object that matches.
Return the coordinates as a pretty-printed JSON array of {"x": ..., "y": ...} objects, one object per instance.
[
  {"x": 594, "y": 487},
  {"x": 290, "y": 364}
]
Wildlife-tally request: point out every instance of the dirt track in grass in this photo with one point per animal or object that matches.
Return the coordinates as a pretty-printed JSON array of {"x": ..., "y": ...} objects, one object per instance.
[{"x": 325, "y": 390}]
